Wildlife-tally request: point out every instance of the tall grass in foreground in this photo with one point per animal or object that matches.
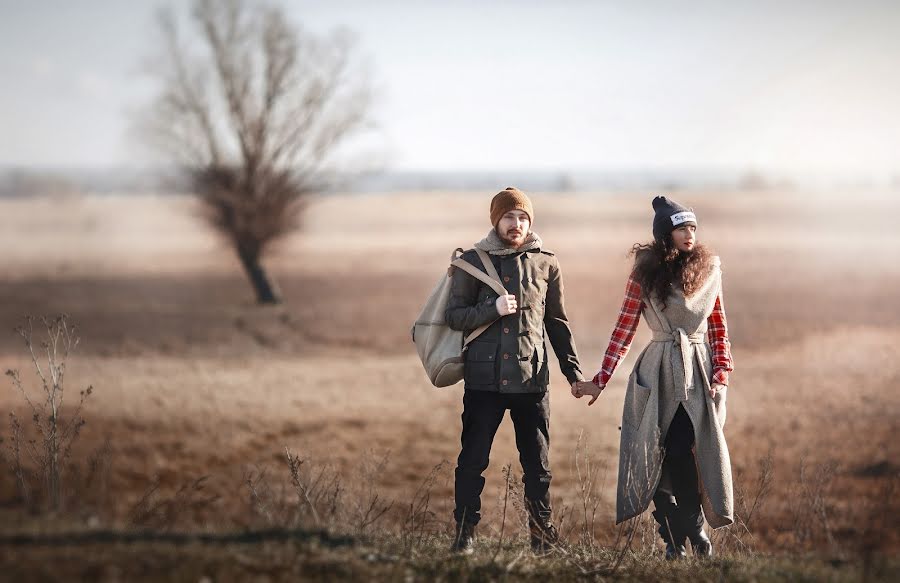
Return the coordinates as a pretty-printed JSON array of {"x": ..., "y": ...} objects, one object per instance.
[{"x": 302, "y": 496}]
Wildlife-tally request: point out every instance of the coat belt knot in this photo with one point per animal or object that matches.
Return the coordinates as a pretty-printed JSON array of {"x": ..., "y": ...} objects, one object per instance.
[{"x": 682, "y": 365}]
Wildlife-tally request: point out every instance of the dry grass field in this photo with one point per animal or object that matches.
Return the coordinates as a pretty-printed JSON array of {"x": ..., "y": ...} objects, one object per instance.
[{"x": 191, "y": 379}]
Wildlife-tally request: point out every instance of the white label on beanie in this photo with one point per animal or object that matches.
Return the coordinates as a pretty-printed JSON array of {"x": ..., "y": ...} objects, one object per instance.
[{"x": 684, "y": 217}]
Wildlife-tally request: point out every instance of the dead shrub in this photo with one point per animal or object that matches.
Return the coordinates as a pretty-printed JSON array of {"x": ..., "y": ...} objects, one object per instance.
[{"x": 41, "y": 448}]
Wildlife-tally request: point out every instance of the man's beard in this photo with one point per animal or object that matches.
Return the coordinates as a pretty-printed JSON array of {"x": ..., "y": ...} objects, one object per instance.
[{"x": 511, "y": 242}]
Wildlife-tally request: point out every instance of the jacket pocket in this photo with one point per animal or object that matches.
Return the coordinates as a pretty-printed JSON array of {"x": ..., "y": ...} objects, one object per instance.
[
  {"x": 636, "y": 396},
  {"x": 481, "y": 363},
  {"x": 540, "y": 372}
]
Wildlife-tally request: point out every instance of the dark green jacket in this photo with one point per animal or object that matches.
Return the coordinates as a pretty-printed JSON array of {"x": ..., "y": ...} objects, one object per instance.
[{"x": 511, "y": 355}]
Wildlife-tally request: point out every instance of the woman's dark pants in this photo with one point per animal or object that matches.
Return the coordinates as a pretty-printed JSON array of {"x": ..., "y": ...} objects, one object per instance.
[{"x": 678, "y": 511}]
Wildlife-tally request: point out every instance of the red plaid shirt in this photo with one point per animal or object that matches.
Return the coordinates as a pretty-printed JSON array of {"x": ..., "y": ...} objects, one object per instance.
[{"x": 627, "y": 324}]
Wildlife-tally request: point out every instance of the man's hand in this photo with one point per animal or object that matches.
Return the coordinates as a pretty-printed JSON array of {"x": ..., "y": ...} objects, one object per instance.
[
  {"x": 506, "y": 305},
  {"x": 715, "y": 388},
  {"x": 582, "y": 388}
]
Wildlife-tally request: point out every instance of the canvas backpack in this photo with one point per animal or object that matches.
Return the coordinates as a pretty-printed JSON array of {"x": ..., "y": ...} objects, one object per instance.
[{"x": 440, "y": 348}]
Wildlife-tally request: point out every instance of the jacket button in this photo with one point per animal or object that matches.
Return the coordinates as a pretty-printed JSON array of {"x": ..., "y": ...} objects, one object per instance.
[
  {"x": 506, "y": 330},
  {"x": 506, "y": 356},
  {"x": 505, "y": 382},
  {"x": 506, "y": 279}
]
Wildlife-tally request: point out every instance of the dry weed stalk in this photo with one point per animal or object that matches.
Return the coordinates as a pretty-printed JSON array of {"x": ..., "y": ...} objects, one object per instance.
[
  {"x": 22, "y": 481},
  {"x": 640, "y": 487},
  {"x": 261, "y": 499},
  {"x": 589, "y": 473},
  {"x": 326, "y": 492},
  {"x": 564, "y": 525},
  {"x": 646, "y": 533},
  {"x": 89, "y": 483},
  {"x": 300, "y": 483},
  {"x": 163, "y": 512},
  {"x": 507, "y": 477},
  {"x": 739, "y": 536},
  {"x": 810, "y": 503},
  {"x": 370, "y": 507},
  {"x": 55, "y": 434},
  {"x": 517, "y": 495},
  {"x": 419, "y": 520},
  {"x": 320, "y": 492}
]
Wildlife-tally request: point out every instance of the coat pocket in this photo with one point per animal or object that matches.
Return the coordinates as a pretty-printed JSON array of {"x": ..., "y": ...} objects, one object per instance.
[
  {"x": 636, "y": 397},
  {"x": 481, "y": 363}
]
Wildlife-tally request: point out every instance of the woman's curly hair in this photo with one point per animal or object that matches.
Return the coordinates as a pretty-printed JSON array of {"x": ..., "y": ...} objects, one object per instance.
[{"x": 658, "y": 266}]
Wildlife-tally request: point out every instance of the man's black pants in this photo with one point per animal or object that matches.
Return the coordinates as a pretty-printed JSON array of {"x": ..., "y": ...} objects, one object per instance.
[{"x": 482, "y": 413}]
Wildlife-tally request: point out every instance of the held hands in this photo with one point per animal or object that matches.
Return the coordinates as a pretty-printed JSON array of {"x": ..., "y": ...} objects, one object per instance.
[
  {"x": 506, "y": 305},
  {"x": 582, "y": 388}
]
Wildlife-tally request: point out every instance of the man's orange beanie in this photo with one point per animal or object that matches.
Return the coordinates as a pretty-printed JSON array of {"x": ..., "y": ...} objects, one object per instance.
[{"x": 507, "y": 200}]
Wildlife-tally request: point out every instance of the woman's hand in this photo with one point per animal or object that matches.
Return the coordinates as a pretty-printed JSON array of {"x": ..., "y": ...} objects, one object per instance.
[
  {"x": 576, "y": 389},
  {"x": 715, "y": 388},
  {"x": 583, "y": 388}
]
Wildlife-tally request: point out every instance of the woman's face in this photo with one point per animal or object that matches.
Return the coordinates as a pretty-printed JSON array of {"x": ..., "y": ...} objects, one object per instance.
[{"x": 685, "y": 238}]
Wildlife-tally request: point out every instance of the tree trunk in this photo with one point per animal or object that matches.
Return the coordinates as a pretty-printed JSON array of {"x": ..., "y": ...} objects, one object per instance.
[{"x": 266, "y": 290}]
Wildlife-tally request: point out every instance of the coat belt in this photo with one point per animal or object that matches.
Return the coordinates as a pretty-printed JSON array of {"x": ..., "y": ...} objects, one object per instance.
[{"x": 682, "y": 364}]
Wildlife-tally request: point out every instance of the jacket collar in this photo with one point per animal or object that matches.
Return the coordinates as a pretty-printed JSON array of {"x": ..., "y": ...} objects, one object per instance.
[{"x": 493, "y": 245}]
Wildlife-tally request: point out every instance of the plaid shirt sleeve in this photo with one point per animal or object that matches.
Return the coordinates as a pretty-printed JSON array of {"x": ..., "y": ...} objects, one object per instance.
[
  {"x": 623, "y": 334},
  {"x": 718, "y": 341}
]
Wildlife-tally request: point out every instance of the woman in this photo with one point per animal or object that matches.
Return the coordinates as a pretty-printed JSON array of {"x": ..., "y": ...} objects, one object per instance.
[{"x": 675, "y": 399}]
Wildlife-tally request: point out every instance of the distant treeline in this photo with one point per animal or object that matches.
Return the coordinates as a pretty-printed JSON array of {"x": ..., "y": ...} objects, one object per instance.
[{"x": 23, "y": 182}]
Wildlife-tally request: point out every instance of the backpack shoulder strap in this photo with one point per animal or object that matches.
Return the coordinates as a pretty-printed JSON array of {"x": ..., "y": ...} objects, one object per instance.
[
  {"x": 477, "y": 332},
  {"x": 488, "y": 264},
  {"x": 492, "y": 279},
  {"x": 480, "y": 275}
]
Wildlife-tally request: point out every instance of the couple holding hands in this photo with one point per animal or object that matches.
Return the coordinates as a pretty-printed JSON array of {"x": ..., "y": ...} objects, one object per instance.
[{"x": 672, "y": 448}]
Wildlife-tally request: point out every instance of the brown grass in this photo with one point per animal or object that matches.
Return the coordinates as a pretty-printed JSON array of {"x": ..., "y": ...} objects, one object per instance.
[{"x": 191, "y": 379}]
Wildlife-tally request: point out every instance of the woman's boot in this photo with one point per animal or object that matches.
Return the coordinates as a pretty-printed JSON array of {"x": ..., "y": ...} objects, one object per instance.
[
  {"x": 691, "y": 524},
  {"x": 669, "y": 527},
  {"x": 700, "y": 543}
]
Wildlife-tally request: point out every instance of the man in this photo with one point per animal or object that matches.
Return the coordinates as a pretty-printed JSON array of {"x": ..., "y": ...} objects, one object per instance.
[{"x": 506, "y": 366}]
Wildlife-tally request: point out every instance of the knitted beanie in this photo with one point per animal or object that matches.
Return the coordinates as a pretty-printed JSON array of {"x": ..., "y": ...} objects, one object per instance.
[
  {"x": 669, "y": 216},
  {"x": 507, "y": 200}
]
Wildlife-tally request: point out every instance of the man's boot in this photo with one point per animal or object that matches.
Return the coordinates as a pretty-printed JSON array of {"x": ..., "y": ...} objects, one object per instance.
[
  {"x": 463, "y": 538},
  {"x": 544, "y": 535},
  {"x": 669, "y": 529}
]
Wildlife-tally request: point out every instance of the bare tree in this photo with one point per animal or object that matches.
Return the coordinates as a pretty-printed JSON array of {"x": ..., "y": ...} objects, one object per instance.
[{"x": 253, "y": 110}]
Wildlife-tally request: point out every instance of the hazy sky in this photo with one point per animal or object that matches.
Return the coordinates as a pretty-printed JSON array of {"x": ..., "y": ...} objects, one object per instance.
[{"x": 811, "y": 86}]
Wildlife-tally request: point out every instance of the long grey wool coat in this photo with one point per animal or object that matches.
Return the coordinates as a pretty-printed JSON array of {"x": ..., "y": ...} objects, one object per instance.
[{"x": 675, "y": 368}]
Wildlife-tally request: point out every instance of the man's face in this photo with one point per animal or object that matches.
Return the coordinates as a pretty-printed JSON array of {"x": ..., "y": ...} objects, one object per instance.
[{"x": 513, "y": 228}]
